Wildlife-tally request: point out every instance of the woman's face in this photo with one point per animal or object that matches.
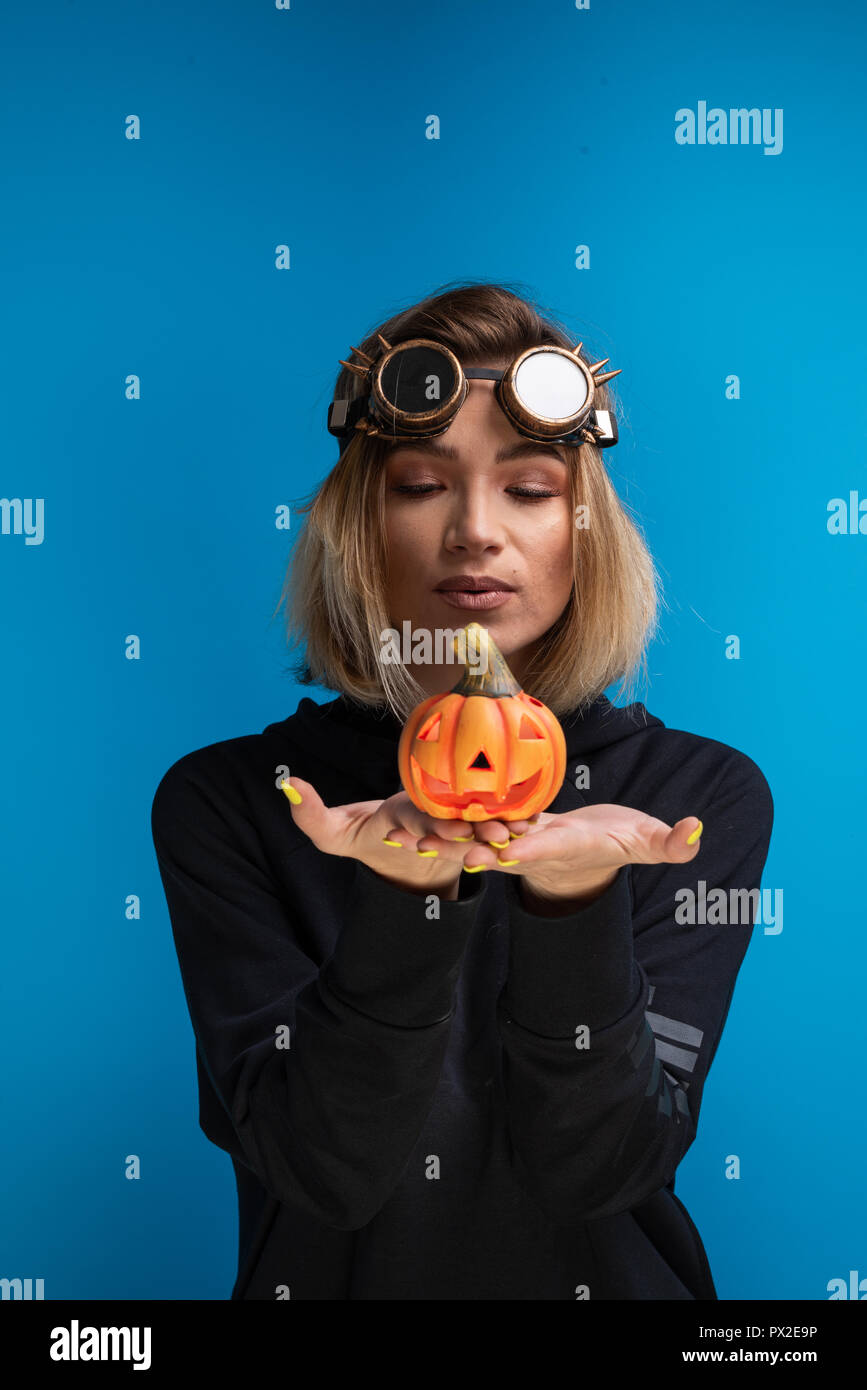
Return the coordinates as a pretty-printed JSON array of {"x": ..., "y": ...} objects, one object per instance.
[{"x": 472, "y": 518}]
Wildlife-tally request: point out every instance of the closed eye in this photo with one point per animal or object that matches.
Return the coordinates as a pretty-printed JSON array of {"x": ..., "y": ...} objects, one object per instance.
[{"x": 424, "y": 490}]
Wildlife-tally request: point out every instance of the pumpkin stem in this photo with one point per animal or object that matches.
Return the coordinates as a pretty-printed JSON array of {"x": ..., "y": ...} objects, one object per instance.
[{"x": 497, "y": 681}]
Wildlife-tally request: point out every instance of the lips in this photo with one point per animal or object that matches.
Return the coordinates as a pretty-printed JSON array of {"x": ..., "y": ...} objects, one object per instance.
[
  {"x": 474, "y": 584},
  {"x": 478, "y": 599}
]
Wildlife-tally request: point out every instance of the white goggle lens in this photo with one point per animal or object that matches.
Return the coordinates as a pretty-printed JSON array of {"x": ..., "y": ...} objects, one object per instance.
[{"x": 551, "y": 386}]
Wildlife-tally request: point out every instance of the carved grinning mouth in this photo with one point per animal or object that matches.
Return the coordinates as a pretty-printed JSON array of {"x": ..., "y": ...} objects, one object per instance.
[{"x": 442, "y": 792}]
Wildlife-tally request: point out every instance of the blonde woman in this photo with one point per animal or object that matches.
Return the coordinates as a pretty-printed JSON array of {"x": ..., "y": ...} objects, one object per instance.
[{"x": 451, "y": 1059}]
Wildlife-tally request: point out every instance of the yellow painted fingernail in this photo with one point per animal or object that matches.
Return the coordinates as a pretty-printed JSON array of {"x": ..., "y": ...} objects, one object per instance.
[
  {"x": 475, "y": 869},
  {"x": 498, "y": 844},
  {"x": 427, "y": 853},
  {"x": 293, "y": 795},
  {"x": 396, "y": 843},
  {"x": 463, "y": 838},
  {"x": 513, "y": 836},
  {"x": 695, "y": 834},
  {"x": 507, "y": 863}
]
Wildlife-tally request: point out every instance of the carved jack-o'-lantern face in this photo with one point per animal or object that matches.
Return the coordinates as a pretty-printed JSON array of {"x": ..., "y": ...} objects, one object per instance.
[{"x": 483, "y": 751}]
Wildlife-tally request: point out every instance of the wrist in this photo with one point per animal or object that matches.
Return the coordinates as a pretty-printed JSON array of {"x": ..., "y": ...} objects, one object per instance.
[
  {"x": 450, "y": 891},
  {"x": 568, "y": 898}
]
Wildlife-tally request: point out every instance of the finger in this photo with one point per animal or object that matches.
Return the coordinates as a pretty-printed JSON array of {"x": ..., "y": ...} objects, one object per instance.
[
  {"x": 647, "y": 840},
  {"x": 559, "y": 838},
  {"x": 494, "y": 832},
  {"x": 429, "y": 836},
  {"x": 310, "y": 813},
  {"x": 499, "y": 836},
  {"x": 499, "y": 832},
  {"x": 482, "y": 854},
  {"x": 638, "y": 839},
  {"x": 654, "y": 842},
  {"x": 428, "y": 843},
  {"x": 529, "y": 827}
]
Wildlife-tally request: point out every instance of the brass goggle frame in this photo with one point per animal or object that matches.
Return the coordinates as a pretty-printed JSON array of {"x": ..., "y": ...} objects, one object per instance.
[{"x": 377, "y": 415}]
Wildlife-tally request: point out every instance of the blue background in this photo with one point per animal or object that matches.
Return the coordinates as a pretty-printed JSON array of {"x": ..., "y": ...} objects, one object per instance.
[{"x": 306, "y": 127}]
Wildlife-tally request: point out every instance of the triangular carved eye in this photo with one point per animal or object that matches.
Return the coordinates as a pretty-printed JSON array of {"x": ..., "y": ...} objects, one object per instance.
[
  {"x": 432, "y": 732},
  {"x": 528, "y": 729},
  {"x": 481, "y": 760}
]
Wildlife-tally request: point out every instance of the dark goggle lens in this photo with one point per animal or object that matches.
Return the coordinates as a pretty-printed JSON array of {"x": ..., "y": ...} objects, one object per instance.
[{"x": 417, "y": 380}]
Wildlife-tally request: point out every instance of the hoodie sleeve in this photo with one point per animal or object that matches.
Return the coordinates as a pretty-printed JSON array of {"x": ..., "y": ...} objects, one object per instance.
[
  {"x": 599, "y": 1119},
  {"x": 325, "y": 1073}
]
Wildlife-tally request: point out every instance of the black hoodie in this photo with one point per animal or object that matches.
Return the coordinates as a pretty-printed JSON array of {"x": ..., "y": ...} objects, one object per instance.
[{"x": 410, "y": 1106}]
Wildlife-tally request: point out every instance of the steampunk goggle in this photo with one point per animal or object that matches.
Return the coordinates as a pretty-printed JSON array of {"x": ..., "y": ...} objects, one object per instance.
[{"x": 416, "y": 388}]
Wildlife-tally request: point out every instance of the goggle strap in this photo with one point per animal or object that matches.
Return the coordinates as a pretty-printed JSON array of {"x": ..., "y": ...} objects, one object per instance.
[{"x": 343, "y": 415}]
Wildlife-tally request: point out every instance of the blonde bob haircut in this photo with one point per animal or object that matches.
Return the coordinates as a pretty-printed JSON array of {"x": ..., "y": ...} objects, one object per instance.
[{"x": 335, "y": 584}]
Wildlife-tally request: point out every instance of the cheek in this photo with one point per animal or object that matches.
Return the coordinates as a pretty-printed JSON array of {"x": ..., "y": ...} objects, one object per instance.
[
  {"x": 410, "y": 533},
  {"x": 395, "y": 531},
  {"x": 551, "y": 547},
  {"x": 405, "y": 541}
]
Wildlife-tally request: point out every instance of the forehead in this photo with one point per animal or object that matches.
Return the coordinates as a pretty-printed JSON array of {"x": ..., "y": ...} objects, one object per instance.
[{"x": 440, "y": 449}]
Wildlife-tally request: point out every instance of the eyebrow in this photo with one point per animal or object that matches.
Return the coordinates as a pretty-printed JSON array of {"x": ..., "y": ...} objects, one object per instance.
[{"x": 526, "y": 448}]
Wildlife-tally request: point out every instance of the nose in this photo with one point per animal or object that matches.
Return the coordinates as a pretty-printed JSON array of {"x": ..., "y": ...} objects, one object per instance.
[{"x": 474, "y": 524}]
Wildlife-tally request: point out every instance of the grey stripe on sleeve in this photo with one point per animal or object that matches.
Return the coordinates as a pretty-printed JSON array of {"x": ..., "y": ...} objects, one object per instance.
[
  {"x": 676, "y": 1055},
  {"x": 671, "y": 1028}
]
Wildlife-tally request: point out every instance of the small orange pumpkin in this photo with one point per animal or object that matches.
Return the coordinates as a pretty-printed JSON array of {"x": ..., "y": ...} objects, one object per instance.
[{"x": 484, "y": 750}]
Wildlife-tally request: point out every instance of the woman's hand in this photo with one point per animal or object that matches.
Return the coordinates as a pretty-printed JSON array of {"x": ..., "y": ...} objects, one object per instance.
[
  {"x": 567, "y": 860},
  {"x": 384, "y": 836}
]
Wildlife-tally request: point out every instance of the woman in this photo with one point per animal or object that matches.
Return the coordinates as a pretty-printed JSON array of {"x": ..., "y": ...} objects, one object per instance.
[{"x": 451, "y": 1059}]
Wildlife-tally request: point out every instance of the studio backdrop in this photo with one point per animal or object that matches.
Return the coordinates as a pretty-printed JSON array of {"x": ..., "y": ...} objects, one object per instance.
[{"x": 204, "y": 205}]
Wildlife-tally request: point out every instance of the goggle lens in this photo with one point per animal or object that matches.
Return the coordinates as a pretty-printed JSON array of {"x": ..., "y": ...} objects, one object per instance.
[
  {"x": 417, "y": 380},
  {"x": 551, "y": 386}
]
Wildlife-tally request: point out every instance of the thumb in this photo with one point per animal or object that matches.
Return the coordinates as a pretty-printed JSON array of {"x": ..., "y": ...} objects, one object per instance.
[
  {"x": 309, "y": 811},
  {"x": 683, "y": 841}
]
